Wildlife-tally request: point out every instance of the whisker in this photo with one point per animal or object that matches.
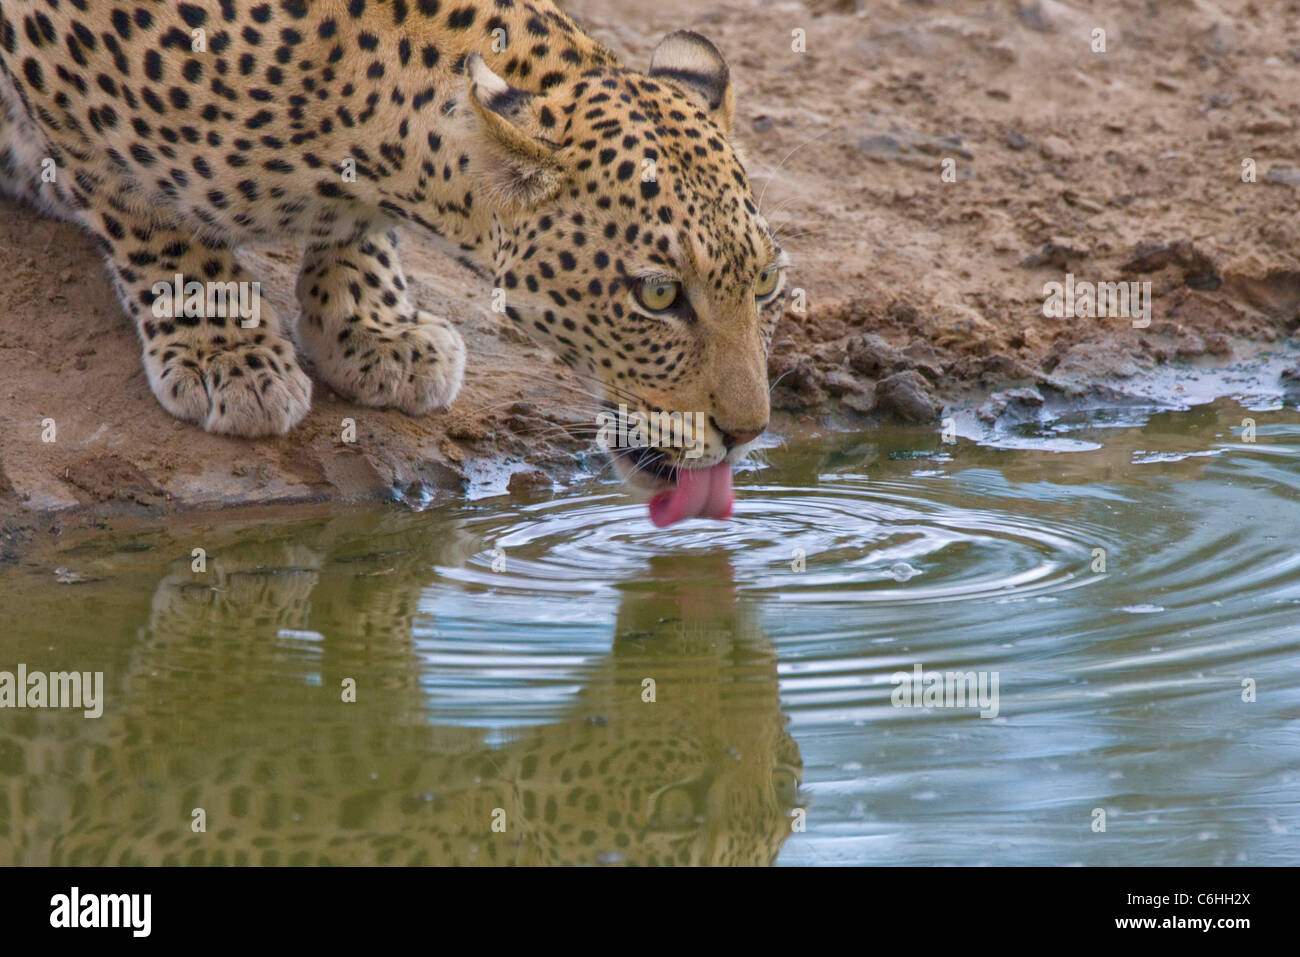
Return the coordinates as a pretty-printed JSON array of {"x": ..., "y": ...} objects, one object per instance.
[
  {"x": 772, "y": 175},
  {"x": 778, "y": 380}
]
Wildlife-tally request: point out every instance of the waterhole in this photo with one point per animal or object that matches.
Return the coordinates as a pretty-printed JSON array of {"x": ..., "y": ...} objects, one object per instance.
[{"x": 555, "y": 680}]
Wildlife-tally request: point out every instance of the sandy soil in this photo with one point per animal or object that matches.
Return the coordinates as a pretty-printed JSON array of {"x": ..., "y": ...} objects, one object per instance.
[{"x": 1115, "y": 166}]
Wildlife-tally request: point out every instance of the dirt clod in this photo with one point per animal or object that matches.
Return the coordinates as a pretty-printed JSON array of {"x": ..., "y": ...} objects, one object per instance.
[{"x": 908, "y": 395}]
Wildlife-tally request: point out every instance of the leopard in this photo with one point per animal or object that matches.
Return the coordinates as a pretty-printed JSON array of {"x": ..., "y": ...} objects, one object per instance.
[
  {"x": 273, "y": 767},
  {"x": 608, "y": 208}
]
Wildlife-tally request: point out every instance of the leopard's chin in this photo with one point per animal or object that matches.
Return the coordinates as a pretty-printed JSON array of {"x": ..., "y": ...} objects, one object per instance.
[
  {"x": 651, "y": 470},
  {"x": 645, "y": 470}
]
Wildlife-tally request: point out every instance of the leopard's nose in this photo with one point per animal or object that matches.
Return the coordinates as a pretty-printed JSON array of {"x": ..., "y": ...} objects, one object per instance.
[{"x": 733, "y": 437}]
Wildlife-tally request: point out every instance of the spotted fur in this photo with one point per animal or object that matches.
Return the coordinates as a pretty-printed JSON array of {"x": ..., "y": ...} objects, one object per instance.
[{"x": 498, "y": 126}]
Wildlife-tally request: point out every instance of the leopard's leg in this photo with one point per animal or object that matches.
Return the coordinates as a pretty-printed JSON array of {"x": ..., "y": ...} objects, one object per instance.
[
  {"x": 364, "y": 336},
  {"x": 24, "y": 155},
  {"x": 223, "y": 372},
  {"x": 230, "y": 374}
]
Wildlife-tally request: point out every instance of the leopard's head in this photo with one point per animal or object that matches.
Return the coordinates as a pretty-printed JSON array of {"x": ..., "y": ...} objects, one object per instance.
[{"x": 633, "y": 247}]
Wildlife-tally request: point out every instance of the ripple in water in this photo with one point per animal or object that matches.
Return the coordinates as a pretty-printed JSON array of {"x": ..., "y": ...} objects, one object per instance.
[{"x": 847, "y": 541}]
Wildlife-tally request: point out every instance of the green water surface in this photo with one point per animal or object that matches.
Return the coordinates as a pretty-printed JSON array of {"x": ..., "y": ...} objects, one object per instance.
[{"x": 554, "y": 680}]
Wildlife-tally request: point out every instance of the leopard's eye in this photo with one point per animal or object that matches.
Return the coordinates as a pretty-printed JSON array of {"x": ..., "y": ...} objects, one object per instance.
[
  {"x": 786, "y": 785},
  {"x": 658, "y": 295},
  {"x": 766, "y": 282}
]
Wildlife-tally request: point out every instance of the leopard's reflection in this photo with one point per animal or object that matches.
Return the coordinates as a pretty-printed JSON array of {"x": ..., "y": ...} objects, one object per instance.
[{"x": 231, "y": 741}]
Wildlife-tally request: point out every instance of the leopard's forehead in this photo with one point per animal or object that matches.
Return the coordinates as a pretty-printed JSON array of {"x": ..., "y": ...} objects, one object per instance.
[{"x": 648, "y": 154}]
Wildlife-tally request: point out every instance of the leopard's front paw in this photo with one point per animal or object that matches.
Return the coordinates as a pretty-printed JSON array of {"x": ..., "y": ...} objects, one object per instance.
[
  {"x": 246, "y": 389},
  {"x": 413, "y": 366}
]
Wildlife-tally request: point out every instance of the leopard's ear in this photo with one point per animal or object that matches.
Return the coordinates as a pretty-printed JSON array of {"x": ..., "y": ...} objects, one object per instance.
[
  {"x": 519, "y": 164},
  {"x": 694, "y": 65}
]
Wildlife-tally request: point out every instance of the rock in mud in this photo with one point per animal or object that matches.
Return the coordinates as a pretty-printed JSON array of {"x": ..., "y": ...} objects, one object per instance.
[
  {"x": 911, "y": 147},
  {"x": 1055, "y": 148},
  {"x": 1023, "y": 404},
  {"x": 1033, "y": 17},
  {"x": 528, "y": 481},
  {"x": 903, "y": 313},
  {"x": 1028, "y": 397},
  {"x": 991, "y": 408},
  {"x": 872, "y": 356},
  {"x": 1290, "y": 393},
  {"x": 861, "y": 402},
  {"x": 907, "y": 394},
  {"x": 1283, "y": 176},
  {"x": 853, "y": 393},
  {"x": 1002, "y": 366},
  {"x": 1055, "y": 252},
  {"x": 881, "y": 146},
  {"x": 1269, "y": 125},
  {"x": 838, "y": 382},
  {"x": 1217, "y": 344},
  {"x": 1199, "y": 271},
  {"x": 923, "y": 357}
]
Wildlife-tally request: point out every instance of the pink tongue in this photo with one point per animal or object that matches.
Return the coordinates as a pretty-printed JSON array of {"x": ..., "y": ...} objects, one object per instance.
[{"x": 700, "y": 493}]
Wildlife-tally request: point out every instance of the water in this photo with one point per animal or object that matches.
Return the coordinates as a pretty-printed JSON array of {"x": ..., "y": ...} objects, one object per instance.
[{"x": 555, "y": 680}]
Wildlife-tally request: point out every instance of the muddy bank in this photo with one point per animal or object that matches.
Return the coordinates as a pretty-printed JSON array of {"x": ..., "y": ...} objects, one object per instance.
[{"x": 924, "y": 292}]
